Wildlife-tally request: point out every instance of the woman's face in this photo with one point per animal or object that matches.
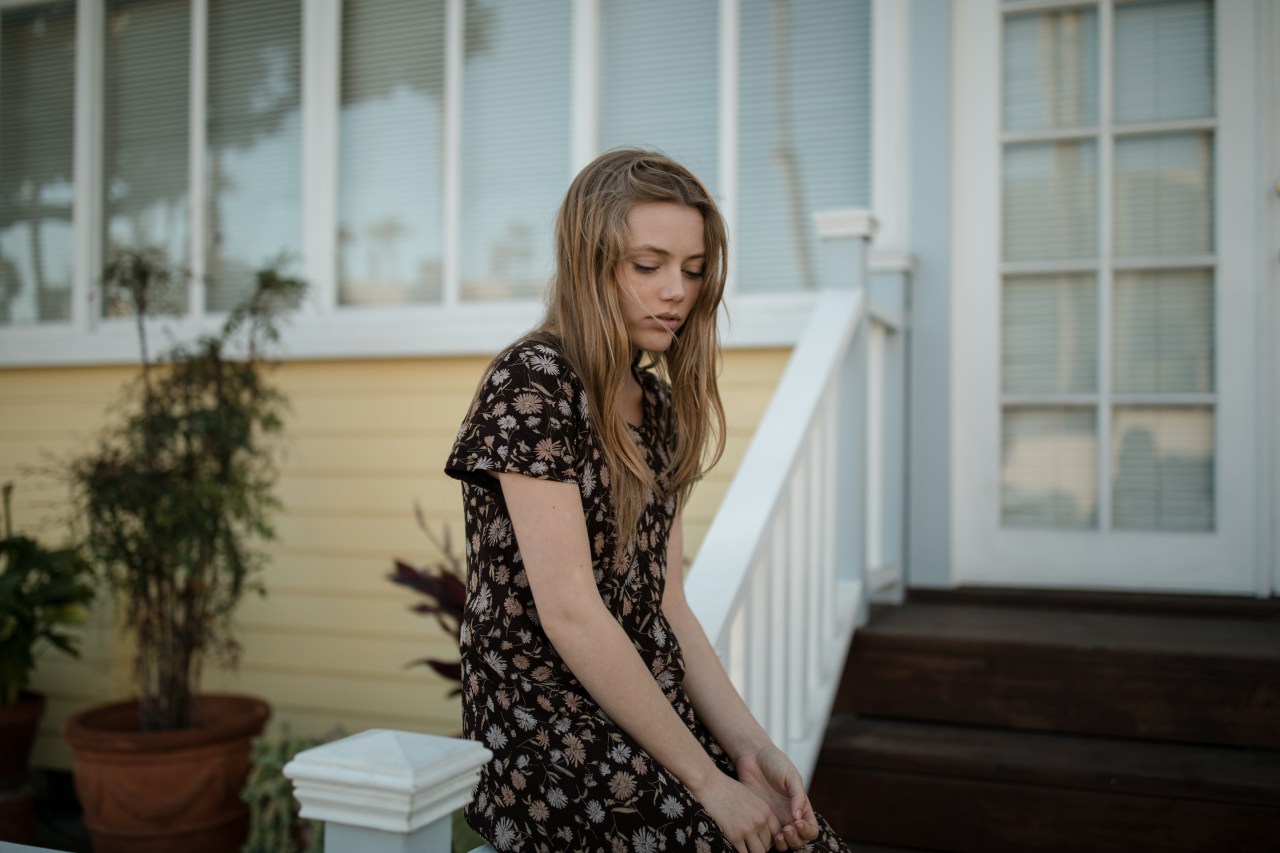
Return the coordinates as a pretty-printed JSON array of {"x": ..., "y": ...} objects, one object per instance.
[{"x": 659, "y": 278}]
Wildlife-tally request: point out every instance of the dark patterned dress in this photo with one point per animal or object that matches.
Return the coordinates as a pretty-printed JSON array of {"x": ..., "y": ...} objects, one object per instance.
[{"x": 564, "y": 777}]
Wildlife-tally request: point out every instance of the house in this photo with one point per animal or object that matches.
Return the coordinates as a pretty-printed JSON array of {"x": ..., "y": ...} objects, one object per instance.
[{"x": 1080, "y": 197}]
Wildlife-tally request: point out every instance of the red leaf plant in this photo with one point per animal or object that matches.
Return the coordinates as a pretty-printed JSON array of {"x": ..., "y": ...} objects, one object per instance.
[{"x": 442, "y": 586}]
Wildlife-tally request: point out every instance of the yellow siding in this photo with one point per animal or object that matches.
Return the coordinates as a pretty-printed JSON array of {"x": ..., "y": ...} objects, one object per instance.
[{"x": 365, "y": 440}]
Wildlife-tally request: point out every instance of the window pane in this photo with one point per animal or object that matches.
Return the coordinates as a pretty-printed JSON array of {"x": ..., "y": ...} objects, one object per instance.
[
  {"x": 1051, "y": 70},
  {"x": 255, "y": 142},
  {"x": 1051, "y": 201},
  {"x": 1163, "y": 464},
  {"x": 1049, "y": 326},
  {"x": 1164, "y": 195},
  {"x": 37, "y": 103},
  {"x": 1163, "y": 332},
  {"x": 1164, "y": 60},
  {"x": 390, "y": 218},
  {"x": 660, "y": 72},
  {"x": 805, "y": 145},
  {"x": 146, "y": 138},
  {"x": 1049, "y": 472},
  {"x": 515, "y": 144}
]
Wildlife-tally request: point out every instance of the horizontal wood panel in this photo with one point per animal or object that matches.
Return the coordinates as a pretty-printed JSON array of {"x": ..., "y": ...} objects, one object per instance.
[{"x": 382, "y": 608}]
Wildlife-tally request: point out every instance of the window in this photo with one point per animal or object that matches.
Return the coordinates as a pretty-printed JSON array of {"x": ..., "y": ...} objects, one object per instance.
[
  {"x": 406, "y": 154},
  {"x": 37, "y": 188},
  {"x": 1108, "y": 297}
]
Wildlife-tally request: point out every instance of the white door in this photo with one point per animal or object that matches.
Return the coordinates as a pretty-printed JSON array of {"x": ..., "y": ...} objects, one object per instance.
[{"x": 1107, "y": 353}]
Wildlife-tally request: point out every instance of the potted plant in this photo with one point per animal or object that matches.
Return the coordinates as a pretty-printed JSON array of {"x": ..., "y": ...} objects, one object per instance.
[
  {"x": 42, "y": 593},
  {"x": 445, "y": 593},
  {"x": 171, "y": 503}
]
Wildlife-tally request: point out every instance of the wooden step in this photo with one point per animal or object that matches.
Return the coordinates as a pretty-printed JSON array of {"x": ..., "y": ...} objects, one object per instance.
[
  {"x": 957, "y": 788},
  {"x": 1143, "y": 674}
]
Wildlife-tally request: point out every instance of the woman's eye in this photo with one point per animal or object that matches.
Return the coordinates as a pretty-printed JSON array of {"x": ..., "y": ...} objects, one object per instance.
[
  {"x": 643, "y": 268},
  {"x": 693, "y": 273}
]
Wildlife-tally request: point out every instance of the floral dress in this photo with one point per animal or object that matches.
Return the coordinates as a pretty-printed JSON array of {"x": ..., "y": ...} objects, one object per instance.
[{"x": 564, "y": 777}]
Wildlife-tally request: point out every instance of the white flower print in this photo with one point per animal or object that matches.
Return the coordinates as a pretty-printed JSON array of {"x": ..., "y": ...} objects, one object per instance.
[
  {"x": 538, "y": 467},
  {"x": 500, "y": 376},
  {"x": 508, "y": 422},
  {"x": 565, "y": 408},
  {"x": 595, "y": 812},
  {"x": 499, "y": 532},
  {"x": 659, "y": 635},
  {"x": 588, "y": 480},
  {"x": 495, "y": 738},
  {"x": 671, "y": 807},
  {"x": 496, "y": 662},
  {"x": 504, "y": 834},
  {"x": 621, "y": 753},
  {"x": 557, "y": 798},
  {"x": 545, "y": 364},
  {"x": 644, "y": 841},
  {"x": 532, "y": 421},
  {"x": 525, "y": 720},
  {"x": 482, "y": 600},
  {"x": 482, "y": 463},
  {"x": 584, "y": 407}
]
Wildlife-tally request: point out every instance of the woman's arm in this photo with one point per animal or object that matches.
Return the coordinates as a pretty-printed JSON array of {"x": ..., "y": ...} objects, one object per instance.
[
  {"x": 551, "y": 530},
  {"x": 760, "y": 764}
]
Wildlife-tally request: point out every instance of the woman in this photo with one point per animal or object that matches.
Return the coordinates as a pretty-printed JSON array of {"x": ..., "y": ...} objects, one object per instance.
[{"x": 612, "y": 723}]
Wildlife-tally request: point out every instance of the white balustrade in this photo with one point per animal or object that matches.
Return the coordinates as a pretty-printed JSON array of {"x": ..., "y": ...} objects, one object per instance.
[{"x": 784, "y": 573}]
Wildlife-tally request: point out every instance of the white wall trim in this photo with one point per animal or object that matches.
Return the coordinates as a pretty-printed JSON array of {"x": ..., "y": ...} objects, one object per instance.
[
  {"x": 851, "y": 223},
  {"x": 891, "y": 120},
  {"x": 321, "y": 132},
  {"x": 584, "y": 107},
  {"x": 406, "y": 331}
]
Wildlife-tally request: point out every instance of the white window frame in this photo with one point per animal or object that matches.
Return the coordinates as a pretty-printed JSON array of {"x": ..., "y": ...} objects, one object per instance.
[
  {"x": 1227, "y": 559},
  {"x": 323, "y": 329}
]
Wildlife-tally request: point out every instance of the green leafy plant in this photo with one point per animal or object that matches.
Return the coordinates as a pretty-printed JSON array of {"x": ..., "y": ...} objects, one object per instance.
[
  {"x": 42, "y": 592},
  {"x": 442, "y": 585},
  {"x": 178, "y": 492},
  {"x": 274, "y": 823}
]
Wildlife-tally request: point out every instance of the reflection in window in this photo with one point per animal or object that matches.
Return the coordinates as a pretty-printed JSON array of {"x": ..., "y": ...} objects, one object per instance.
[
  {"x": 390, "y": 221},
  {"x": 658, "y": 86},
  {"x": 255, "y": 142},
  {"x": 146, "y": 91},
  {"x": 1164, "y": 195},
  {"x": 1048, "y": 470},
  {"x": 804, "y": 139},
  {"x": 37, "y": 102},
  {"x": 1163, "y": 468},
  {"x": 515, "y": 144},
  {"x": 1051, "y": 70}
]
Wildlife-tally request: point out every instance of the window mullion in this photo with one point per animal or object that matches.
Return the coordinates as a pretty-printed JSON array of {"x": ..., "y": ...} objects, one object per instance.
[
  {"x": 455, "y": 29},
  {"x": 198, "y": 158},
  {"x": 727, "y": 128},
  {"x": 87, "y": 213},
  {"x": 1106, "y": 175},
  {"x": 321, "y": 75},
  {"x": 584, "y": 109}
]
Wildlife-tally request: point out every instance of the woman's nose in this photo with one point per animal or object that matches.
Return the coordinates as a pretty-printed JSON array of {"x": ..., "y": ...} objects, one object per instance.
[{"x": 673, "y": 287}]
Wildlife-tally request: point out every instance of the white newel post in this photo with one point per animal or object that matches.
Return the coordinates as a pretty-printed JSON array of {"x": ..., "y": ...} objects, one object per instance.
[{"x": 385, "y": 791}]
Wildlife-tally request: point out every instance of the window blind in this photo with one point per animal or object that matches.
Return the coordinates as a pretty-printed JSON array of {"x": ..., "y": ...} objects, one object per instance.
[
  {"x": 515, "y": 144},
  {"x": 254, "y": 127},
  {"x": 390, "y": 216},
  {"x": 804, "y": 133},
  {"x": 146, "y": 94},
  {"x": 37, "y": 101}
]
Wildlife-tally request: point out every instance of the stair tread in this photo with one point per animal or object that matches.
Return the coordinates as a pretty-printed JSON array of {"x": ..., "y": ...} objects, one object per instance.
[
  {"x": 1223, "y": 774},
  {"x": 1147, "y": 638}
]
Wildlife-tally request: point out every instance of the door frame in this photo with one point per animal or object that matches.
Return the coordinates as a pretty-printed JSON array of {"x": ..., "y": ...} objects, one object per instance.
[{"x": 1232, "y": 558}]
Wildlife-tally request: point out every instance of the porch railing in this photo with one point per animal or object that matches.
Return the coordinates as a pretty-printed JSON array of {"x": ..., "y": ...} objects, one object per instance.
[{"x": 809, "y": 531}]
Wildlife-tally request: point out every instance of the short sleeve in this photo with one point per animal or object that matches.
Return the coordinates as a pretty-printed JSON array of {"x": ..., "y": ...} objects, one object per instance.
[{"x": 529, "y": 417}]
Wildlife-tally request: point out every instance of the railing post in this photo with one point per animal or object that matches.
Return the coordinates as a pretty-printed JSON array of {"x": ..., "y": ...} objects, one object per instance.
[
  {"x": 845, "y": 235},
  {"x": 385, "y": 791}
]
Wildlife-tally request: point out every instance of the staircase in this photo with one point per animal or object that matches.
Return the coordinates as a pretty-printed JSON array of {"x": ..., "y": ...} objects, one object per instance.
[{"x": 1006, "y": 720}]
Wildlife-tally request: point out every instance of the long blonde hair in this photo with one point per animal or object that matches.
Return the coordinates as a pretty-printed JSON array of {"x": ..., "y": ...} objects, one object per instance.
[{"x": 585, "y": 319}]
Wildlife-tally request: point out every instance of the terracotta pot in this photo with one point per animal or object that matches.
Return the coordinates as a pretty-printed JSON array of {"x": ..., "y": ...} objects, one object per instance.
[
  {"x": 18, "y": 727},
  {"x": 157, "y": 792}
]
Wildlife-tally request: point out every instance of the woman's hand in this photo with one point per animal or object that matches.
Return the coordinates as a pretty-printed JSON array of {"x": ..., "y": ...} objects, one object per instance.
[
  {"x": 741, "y": 815},
  {"x": 774, "y": 779}
]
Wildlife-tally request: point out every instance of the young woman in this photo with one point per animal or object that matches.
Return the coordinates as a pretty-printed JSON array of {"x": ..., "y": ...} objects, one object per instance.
[{"x": 612, "y": 723}]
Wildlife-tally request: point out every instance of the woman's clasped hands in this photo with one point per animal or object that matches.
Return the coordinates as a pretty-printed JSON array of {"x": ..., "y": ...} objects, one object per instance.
[{"x": 766, "y": 808}]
